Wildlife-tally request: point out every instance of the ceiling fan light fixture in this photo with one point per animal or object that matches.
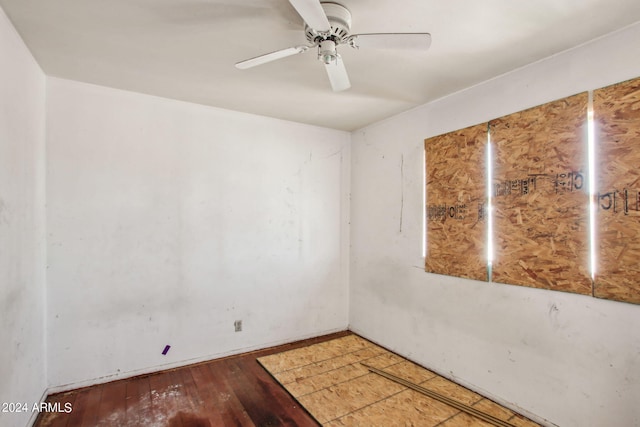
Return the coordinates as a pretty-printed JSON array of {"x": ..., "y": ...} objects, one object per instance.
[{"x": 327, "y": 52}]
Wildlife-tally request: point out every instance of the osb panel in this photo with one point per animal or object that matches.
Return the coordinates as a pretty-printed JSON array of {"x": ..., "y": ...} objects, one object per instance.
[
  {"x": 305, "y": 356},
  {"x": 338, "y": 391},
  {"x": 492, "y": 408},
  {"x": 520, "y": 421},
  {"x": 465, "y": 420},
  {"x": 410, "y": 371},
  {"x": 456, "y": 195},
  {"x": 301, "y": 373},
  {"x": 540, "y": 197},
  {"x": 617, "y": 114},
  {"x": 456, "y": 392},
  {"x": 408, "y": 408},
  {"x": 318, "y": 382},
  {"x": 345, "y": 398}
]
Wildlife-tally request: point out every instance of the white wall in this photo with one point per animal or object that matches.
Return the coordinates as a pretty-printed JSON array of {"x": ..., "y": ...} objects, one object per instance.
[
  {"x": 168, "y": 221},
  {"x": 569, "y": 359},
  {"x": 22, "y": 257}
]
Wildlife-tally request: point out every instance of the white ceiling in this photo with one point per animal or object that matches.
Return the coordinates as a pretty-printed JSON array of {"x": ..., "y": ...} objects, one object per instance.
[{"x": 186, "y": 49}]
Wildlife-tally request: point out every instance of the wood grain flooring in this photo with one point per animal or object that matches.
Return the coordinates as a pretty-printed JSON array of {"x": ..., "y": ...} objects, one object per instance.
[{"x": 232, "y": 391}]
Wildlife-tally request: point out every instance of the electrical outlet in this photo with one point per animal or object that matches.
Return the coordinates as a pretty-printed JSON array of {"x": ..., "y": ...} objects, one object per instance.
[{"x": 238, "y": 325}]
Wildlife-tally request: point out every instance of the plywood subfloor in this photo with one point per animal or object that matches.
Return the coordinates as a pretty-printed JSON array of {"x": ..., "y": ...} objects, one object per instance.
[{"x": 329, "y": 380}]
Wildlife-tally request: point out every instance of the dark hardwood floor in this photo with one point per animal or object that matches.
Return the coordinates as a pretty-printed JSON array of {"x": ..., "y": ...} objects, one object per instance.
[{"x": 232, "y": 391}]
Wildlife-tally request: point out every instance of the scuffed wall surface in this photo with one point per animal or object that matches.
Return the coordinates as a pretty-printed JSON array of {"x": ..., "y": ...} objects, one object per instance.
[
  {"x": 169, "y": 221},
  {"x": 22, "y": 261}
]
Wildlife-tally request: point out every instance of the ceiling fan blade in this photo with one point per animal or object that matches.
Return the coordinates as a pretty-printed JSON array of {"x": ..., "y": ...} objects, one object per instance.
[
  {"x": 338, "y": 76},
  {"x": 415, "y": 41},
  {"x": 312, "y": 13},
  {"x": 268, "y": 57}
]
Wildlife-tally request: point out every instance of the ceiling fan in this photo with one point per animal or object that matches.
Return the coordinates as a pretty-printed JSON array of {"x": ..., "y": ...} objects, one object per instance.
[{"x": 328, "y": 25}]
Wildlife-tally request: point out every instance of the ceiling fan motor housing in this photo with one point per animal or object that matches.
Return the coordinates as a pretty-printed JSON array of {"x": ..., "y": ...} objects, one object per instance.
[{"x": 340, "y": 19}]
